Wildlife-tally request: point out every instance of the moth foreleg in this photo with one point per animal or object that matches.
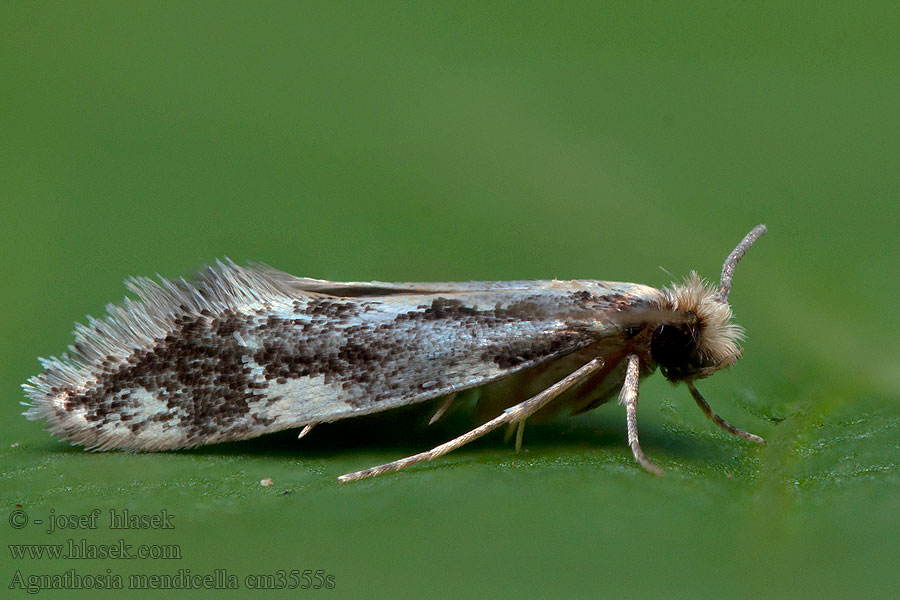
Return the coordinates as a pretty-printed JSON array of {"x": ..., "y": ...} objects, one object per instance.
[
  {"x": 514, "y": 414},
  {"x": 629, "y": 397},
  {"x": 708, "y": 411}
]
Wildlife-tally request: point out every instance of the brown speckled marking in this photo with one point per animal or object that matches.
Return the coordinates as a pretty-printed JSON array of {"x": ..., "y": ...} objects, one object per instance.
[
  {"x": 197, "y": 369},
  {"x": 376, "y": 359}
]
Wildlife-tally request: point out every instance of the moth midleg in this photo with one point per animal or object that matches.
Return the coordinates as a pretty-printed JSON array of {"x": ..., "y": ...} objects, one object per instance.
[
  {"x": 442, "y": 409},
  {"x": 517, "y": 413},
  {"x": 708, "y": 411},
  {"x": 510, "y": 430},
  {"x": 629, "y": 397},
  {"x": 518, "y": 429},
  {"x": 515, "y": 428}
]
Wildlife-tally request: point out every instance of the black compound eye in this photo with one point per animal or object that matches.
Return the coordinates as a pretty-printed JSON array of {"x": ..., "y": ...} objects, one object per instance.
[{"x": 672, "y": 348}]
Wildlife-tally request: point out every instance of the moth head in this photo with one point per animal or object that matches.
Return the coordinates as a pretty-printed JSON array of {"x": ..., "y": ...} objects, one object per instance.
[{"x": 701, "y": 338}]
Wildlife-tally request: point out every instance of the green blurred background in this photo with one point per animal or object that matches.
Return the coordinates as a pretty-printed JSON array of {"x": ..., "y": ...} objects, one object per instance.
[{"x": 458, "y": 141}]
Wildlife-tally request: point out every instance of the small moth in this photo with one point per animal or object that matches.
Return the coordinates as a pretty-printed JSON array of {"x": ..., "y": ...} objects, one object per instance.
[{"x": 244, "y": 351}]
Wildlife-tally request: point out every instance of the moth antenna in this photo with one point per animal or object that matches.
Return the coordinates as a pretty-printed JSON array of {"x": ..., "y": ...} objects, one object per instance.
[
  {"x": 736, "y": 255},
  {"x": 708, "y": 411}
]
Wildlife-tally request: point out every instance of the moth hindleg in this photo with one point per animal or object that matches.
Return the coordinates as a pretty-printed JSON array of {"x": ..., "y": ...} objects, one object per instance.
[
  {"x": 517, "y": 413},
  {"x": 629, "y": 397},
  {"x": 517, "y": 428}
]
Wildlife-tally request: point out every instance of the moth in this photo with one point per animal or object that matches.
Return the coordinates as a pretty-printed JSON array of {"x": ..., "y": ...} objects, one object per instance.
[{"x": 244, "y": 351}]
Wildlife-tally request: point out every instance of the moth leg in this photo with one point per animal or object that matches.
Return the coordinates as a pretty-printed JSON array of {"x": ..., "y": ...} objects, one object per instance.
[
  {"x": 442, "y": 409},
  {"x": 629, "y": 397},
  {"x": 517, "y": 413},
  {"x": 708, "y": 411},
  {"x": 520, "y": 431},
  {"x": 306, "y": 430},
  {"x": 510, "y": 430}
]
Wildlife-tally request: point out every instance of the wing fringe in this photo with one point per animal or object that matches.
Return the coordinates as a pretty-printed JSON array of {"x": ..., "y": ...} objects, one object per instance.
[{"x": 136, "y": 325}]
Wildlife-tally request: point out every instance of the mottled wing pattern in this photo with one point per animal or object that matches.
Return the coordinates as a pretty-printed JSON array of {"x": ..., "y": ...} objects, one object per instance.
[{"x": 245, "y": 351}]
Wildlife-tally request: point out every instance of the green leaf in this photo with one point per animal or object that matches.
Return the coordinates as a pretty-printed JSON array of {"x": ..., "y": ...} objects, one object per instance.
[{"x": 457, "y": 142}]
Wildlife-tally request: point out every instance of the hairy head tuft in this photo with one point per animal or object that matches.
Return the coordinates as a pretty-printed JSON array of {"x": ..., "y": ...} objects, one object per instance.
[{"x": 705, "y": 341}]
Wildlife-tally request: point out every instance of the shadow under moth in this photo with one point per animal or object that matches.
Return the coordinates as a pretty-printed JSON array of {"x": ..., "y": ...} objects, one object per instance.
[{"x": 244, "y": 351}]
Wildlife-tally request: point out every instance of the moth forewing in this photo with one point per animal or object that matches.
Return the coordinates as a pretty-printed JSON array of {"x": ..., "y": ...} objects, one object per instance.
[{"x": 244, "y": 351}]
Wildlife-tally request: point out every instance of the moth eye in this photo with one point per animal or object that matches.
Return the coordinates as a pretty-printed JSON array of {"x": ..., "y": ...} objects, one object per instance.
[{"x": 672, "y": 348}]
